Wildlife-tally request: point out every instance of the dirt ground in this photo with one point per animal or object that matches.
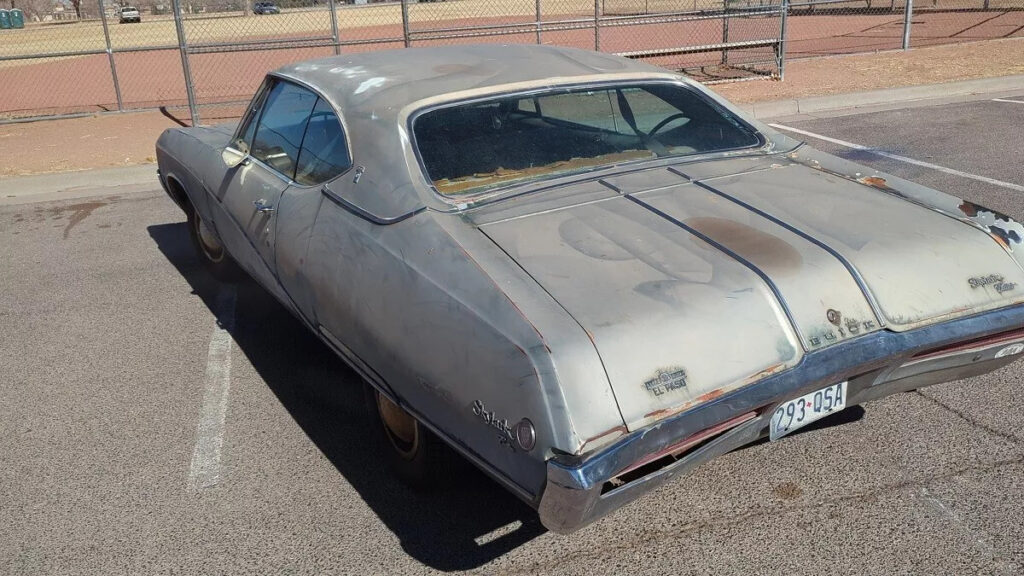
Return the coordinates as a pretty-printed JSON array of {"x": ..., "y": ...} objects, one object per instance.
[
  {"x": 151, "y": 77},
  {"x": 360, "y": 22},
  {"x": 126, "y": 139}
]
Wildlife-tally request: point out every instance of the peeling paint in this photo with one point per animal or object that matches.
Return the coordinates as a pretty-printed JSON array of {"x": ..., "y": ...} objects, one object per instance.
[
  {"x": 874, "y": 182},
  {"x": 1003, "y": 228},
  {"x": 602, "y": 438},
  {"x": 718, "y": 391}
]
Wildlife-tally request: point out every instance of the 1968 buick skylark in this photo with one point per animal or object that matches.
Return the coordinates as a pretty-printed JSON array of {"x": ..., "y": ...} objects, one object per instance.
[{"x": 585, "y": 274}]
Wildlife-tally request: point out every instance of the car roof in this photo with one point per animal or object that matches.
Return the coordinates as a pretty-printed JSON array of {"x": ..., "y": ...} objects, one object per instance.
[
  {"x": 388, "y": 80},
  {"x": 375, "y": 90}
]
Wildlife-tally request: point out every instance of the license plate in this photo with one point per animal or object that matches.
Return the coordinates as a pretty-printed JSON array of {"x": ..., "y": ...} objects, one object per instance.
[{"x": 800, "y": 412}]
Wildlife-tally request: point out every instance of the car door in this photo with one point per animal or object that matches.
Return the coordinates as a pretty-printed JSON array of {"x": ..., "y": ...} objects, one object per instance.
[
  {"x": 252, "y": 189},
  {"x": 323, "y": 157}
]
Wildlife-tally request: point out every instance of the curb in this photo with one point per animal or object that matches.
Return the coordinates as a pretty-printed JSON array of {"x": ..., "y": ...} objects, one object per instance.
[
  {"x": 948, "y": 91},
  {"x": 77, "y": 184}
]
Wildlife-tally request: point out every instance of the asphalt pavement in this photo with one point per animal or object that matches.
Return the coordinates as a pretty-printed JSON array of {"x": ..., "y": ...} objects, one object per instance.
[{"x": 112, "y": 335}]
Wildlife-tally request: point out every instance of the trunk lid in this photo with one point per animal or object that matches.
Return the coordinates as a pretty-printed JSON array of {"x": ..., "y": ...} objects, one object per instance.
[{"x": 692, "y": 288}]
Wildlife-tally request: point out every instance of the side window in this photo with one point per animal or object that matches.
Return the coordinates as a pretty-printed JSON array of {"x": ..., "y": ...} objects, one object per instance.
[
  {"x": 247, "y": 127},
  {"x": 282, "y": 125},
  {"x": 324, "y": 152}
]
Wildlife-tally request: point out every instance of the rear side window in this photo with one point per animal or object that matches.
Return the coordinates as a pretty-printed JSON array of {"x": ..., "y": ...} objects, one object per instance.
[
  {"x": 324, "y": 152},
  {"x": 281, "y": 127}
]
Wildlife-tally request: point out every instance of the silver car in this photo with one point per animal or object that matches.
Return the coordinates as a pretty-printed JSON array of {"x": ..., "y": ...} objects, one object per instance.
[{"x": 585, "y": 274}]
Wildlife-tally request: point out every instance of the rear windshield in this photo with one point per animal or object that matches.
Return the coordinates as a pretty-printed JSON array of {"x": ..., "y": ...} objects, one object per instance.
[{"x": 471, "y": 148}]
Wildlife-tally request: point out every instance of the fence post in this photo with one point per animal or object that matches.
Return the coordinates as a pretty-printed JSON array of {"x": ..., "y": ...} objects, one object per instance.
[
  {"x": 908, "y": 13},
  {"x": 110, "y": 56},
  {"x": 334, "y": 26},
  {"x": 725, "y": 31},
  {"x": 538, "y": 20},
  {"x": 597, "y": 25},
  {"x": 179, "y": 25},
  {"x": 782, "y": 40},
  {"x": 405, "y": 22}
]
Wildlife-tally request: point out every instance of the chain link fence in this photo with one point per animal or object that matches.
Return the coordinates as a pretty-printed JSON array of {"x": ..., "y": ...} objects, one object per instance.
[
  {"x": 825, "y": 27},
  {"x": 76, "y": 56}
]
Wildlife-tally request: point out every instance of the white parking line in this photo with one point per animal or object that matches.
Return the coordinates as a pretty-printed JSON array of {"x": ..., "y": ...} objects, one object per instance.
[
  {"x": 1005, "y": 100},
  {"x": 205, "y": 469},
  {"x": 899, "y": 158}
]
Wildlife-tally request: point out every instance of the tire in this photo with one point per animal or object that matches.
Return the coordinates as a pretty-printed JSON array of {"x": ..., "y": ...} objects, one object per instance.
[
  {"x": 418, "y": 457},
  {"x": 211, "y": 252}
]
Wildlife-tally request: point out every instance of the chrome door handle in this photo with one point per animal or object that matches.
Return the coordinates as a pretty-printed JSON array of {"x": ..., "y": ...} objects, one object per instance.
[{"x": 262, "y": 206}]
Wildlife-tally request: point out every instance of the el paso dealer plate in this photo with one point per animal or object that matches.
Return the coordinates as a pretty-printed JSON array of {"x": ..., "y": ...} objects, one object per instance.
[{"x": 800, "y": 412}]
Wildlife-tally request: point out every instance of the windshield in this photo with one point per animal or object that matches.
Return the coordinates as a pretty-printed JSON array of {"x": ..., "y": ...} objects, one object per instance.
[{"x": 472, "y": 147}]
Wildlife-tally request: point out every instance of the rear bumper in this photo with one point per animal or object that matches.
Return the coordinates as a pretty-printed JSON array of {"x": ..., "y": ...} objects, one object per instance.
[{"x": 580, "y": 489}]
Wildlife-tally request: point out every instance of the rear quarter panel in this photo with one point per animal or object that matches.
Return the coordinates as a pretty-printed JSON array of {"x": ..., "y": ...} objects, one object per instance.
[{"x": 411, "y": 302}]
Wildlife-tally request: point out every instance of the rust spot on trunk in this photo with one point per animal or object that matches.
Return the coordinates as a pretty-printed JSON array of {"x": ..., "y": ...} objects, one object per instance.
[
  {"x": 874, "y": 182},
  {"x": 710, "y": 395},
  {"x": 765, "y": 373},
  {"x": 759, "y": 247},
  {"x": 666, "y": 412},
  {"x": 969, "y": 208},
  {"x": 603, "y": 437},
  {"x": 880, "y": 184},
  {"x": 617, "y": 430}
]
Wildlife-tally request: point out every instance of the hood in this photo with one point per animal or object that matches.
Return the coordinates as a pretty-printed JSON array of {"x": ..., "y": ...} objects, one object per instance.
[{"x": 695, "y": 284}]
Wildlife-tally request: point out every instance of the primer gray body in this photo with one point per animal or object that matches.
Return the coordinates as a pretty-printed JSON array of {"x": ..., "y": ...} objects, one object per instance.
[{"x": 620, "y": 310}]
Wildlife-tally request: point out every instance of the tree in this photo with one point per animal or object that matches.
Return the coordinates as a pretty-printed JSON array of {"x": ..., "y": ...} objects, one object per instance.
[{"x": 34, "y": 9}]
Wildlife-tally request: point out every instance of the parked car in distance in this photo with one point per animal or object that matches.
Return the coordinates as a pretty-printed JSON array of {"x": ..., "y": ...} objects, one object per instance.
[
  {"x": 129, "y": 14},
  {"x": 265, "y": 8},
  {"x": 586, "y": 274}
]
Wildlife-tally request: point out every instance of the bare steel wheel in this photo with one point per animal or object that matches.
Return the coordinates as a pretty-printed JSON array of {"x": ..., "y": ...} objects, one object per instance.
[
  {"x": 401, "y": 429},
  {"x": 209, "y": 243},
  {"x": 421, "y": 459},
  {"x": 210, "y": 249}
]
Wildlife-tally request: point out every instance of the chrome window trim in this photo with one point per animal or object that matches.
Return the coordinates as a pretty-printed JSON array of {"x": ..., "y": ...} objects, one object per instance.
[
  {"x": 250, "y": 111},
  {"x": 344, "y": 131},
  {"x": 501, "y": 192},
  {"x": 341, "y": 120}
]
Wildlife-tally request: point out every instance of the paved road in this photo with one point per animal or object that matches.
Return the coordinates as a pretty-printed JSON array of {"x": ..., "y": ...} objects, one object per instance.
[{"x": 110, "y": 342}]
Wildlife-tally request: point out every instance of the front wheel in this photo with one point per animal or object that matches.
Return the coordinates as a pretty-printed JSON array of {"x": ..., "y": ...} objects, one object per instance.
[{"x": 211, "y": 250}]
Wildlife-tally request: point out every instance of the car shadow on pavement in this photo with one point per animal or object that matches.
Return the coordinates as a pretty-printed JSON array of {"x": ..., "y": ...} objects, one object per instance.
[{"x": 462, "y": 526}]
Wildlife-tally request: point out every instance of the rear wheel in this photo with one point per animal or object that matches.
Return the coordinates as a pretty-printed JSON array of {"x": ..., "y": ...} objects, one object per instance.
[
  {"x": 211, "y": 250},
  {"x": 419, "y": 457}
]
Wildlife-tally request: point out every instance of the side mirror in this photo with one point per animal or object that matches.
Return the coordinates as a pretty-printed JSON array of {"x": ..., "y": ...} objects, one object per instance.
[{"x": 233, "y": 157}]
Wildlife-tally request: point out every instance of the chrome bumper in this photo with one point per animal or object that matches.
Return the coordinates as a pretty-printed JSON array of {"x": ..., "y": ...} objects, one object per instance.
[{"x": 579, "y": 490}]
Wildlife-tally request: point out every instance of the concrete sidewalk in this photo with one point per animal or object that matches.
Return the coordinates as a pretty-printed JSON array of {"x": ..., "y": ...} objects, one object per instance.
[
  {"x": 811, "y": 86},
  {"x": 888, "y": 98}
]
